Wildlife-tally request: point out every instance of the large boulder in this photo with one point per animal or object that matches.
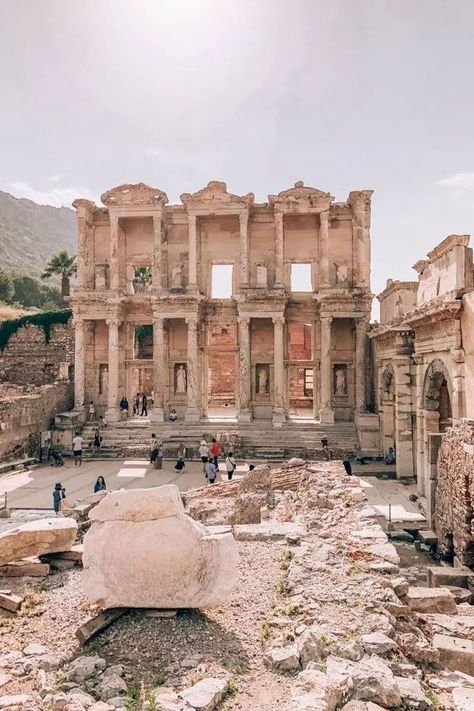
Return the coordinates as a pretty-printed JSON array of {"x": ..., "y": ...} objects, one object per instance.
[
  {"x": 142, "y": 550},
  {"x": 46, "y": 535}
]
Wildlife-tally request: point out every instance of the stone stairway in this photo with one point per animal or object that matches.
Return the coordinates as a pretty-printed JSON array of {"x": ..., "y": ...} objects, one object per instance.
[{"x": 259, "y": 440}]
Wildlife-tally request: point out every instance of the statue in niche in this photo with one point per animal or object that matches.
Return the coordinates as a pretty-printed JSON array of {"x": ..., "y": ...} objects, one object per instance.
[
  {"x": 262, "y": 275},
  {"x": 180, "y": 379},
  {"x": 340, "y": 380},
  {"x": 104, "y": 379},
  {"x": 130, "y": 274},
  {"x": 341, "y": 273},
  {"x": 177, "y": 277},
  {"x": 101, "y": 276},
  {"x": 262, "y": 379}
]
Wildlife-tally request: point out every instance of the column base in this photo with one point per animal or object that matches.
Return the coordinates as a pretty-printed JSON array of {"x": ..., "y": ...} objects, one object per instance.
[
  {"x": 113, "y": 414},
  {"x": 81, "y": 413},
  {"x": 326, "y": 416},
  {"x": 278, "y": 417},
  {"x": 192, "y": 415},
  {"x": 157, "y": 415},
  {"x": 244, "y": 416}
]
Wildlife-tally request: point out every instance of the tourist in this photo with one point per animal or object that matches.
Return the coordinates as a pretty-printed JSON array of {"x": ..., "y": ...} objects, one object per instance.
[
  {"x": 347, "y": 466},
  {"x": 390, "y": 456},
  {"x": 173, "y": 415},
  {"x": 158, "y": 463},
  {"x": 230, "y": 465},
  {"x": 325, "y": 446},
  {"x": 153, "y": 447},
  {"x": 181, "y": 457},
  {"x": 360, "y": 459},
  {"x": 100, "y": 485},
  {"x": 144, "y": 406},
  {"x": 210, "y": 471},
  {"x": 124, "y": 408},
  {"x": 102, "y": 421},
  {"x": 135, "y": 405},
  {"x": 97, "y": 440},
  {"x": 204, "y": 451},
  {"x": 91, "y": 411},
  {"x": 59, "y": 494},
  {"x": 140, "y": 404},
  {"x": 77, "y": 443},
  {"x": 251, "y": 467},
  {"x": 215, "y": 451}
]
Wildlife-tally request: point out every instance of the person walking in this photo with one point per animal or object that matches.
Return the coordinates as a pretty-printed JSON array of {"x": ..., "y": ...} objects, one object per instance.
[
  {"x": 210, "y": 471},
  {"x": 135, "y": 405},
  {"x": 215, "y": 451},
  {"x": 124, "y": 408},
  {"x": 144, "y": 406},
  {"x": 347, "y": 466},
  {"x": 140, "y": 404},
  {"x": 97, "y": 440},
  {"x": 230, "y": 465},
  {"x": 59, "y": 494},
  {"x": 181, "y": 457},
  {"x": 100, "y": 485},
  {"x": 77, "y": 443},
  {"x": 91, "y": 411}
]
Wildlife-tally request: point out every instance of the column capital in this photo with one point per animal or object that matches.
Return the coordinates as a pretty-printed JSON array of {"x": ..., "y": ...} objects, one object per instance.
[
  {"x": 191, "y": 321},
  {"x": 278, "y": 320},
  {"x": 325, "y": 318},
  {"x": 243, "y": 320},
  {"x": 113, "y": 322}
]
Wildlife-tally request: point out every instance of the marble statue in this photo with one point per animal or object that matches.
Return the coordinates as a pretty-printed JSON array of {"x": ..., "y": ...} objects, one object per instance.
[
  {"x": 181, "y": 380},
  {"x": 262, "y": 381},
  {"x": 262, "y": 275},
  {"x": 341, "y": 273},
  {"x": 101, "y": 277},
  {"x": 340, "y": 384},
  {"x": 177, "y": 277}
]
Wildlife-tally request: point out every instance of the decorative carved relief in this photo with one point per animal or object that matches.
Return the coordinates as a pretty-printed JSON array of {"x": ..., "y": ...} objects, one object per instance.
[
  {"x": 262, "y": 379},
  {"x": 137, "y": 194},
  {"x": 215, "y": 193}
]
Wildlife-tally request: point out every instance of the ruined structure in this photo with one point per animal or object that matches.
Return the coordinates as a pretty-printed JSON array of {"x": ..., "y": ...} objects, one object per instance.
[{"x": 290, "y": 336}]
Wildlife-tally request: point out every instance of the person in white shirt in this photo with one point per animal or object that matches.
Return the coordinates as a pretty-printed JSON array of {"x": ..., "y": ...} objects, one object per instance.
[
  {"x": 91, "y": 411},
  {"x": 77, "y": 450},
  {"x": 230, "y": 465}
]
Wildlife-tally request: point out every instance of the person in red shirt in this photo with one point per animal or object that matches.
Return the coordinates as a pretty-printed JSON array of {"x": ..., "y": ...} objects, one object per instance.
[{"x": 215, "y": 451}]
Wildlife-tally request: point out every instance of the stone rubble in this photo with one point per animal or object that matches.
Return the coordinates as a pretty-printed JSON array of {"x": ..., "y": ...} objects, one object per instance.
[{"x": 46, "y": 535}]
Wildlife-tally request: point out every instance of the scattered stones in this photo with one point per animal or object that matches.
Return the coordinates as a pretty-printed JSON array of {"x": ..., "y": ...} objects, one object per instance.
[
  {"x": 378, "y": 643},
  {"x": 412, "y": 693},
  {"x": 111, "y": 685},
  {"x": 400, "y": 586},
  {"x": 430, "y": 600},
  {"x": 455, "y": 653},
  {"x": 313, "y": 691},
  {"x": 15, "y": 700},
  {"x": 206, "y": 694},
  {"x": 46, "y": 535},
  {"x": 283, "y": 658},
  {"x": 84, "y": 668}
]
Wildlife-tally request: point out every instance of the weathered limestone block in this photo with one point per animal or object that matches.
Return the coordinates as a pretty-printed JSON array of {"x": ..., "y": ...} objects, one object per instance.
[
  {"x": 442, "y": 575},
  {"x": 314, "y": 691},
  {"x": 283, "y": 658},
  {"x": 455, "y": 653},
  {"x": 431, "y": 600},
  {"x": 412, "y": 694},
  {"x": 47, "y": 535},
  {"x": 142, "y": 550},
  {"x": 206, "y": 694},
  {"x": 368, "y": 680},
  {"x": 463, "y": 699},
  {"x": 378, "y": 643}
]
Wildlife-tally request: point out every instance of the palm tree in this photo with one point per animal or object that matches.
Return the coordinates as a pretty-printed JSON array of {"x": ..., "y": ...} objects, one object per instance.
[{"x": 64, "y": 265}]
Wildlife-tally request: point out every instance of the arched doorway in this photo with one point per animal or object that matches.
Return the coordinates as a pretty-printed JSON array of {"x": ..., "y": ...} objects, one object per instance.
[{"x": 437, "y": 395}]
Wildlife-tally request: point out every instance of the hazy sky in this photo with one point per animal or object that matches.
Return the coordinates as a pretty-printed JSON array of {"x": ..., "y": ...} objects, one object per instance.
[{"x": 344, "y": 94}]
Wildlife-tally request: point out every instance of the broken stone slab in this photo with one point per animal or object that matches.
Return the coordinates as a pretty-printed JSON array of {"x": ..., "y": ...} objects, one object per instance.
[
  {"x": 111, "y": 685},
  {"x": 455, "y": 653},
  {"x": 371, "y": 679},
  {"x": 35, "y": 649},
  {"x": 268, "y": 531},
  {"x": 282, "y": 658},
  {"x": 412, "y": 694},
  {"x": 400, "y": 586},
  {"x": 15, "y": 700},
  {"x": 74, "y": 554},
  {"x": 10, "y": 601},
  {"x": 463, "y": 699},
  {"x": 430, "y": 600},
  {"x": 460, "y": 594},
  {"x": 167, "y": 561},
  {"x": 378, "y": 643},
  {"x": 451, "y": 625},
  {"x": 206, "y": 694},
  {"x": 444, "y": 575},
  {"x": 385, "y": 551},
  {"x": 314, "y": 691},
  {"x": 83, "y": 668},
  {"x": 28, "y": 567},
  {"x": 47, "y": 535}
]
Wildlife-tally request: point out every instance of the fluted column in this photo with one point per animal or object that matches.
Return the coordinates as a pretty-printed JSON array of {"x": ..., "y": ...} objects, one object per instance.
[
  {"x": 244, "y": 414},
  {"x": 192, "y": 259},
  {"x": 361, "y": 341},
  {"x": 113, "y": 413},
  {"x": 157, "y": 253},
  {"x": 279, "y": 247},
  {"x": 79, "y": 364},
  {"x": 114, "y": 252},
  {"x": 157, "y": 413},
  {"x": 324, "y": 249},
  {"x": 326, "y": 413},
  {"x": 192, "y": 410},
  {"x": 244, "y": 248},
  {"x": 279, "y": 414}
]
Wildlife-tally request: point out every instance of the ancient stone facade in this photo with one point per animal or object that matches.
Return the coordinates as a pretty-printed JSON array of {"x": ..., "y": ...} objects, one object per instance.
[{"x": 146, "y": 317}]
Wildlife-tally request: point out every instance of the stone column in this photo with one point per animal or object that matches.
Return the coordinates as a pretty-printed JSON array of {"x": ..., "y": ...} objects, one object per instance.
[
  {"x": 326, "y": 413},
  {"x": 419, "y": 367},
  {"x": 192, "y": 259},
  {"x": 158, "y": 413},
  {"x": 360, "y": 364},
  {"x": 279, "y": 249},
  {"x": 324, "y": 249},
  {"x": 192, "y": 410},
  {"x": 244, "y": 414},
  {"x": 244, "y": 249},
  {"x": 279, "y": 414},
  {"x": 157, "y": 255},
  {"x": 79, "y": 365},
  {"x": 114, "y": 253},
  {"x": 113, "y": 413}
]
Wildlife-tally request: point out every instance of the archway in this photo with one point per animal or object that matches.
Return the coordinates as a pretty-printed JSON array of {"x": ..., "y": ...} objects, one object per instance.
[{"x": 437, "y": 395}]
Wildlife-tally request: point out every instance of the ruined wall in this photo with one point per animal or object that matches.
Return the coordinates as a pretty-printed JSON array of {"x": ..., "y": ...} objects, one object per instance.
[
  {"x": 455, "y": 492},
  {"x": 29, "y": 360}
]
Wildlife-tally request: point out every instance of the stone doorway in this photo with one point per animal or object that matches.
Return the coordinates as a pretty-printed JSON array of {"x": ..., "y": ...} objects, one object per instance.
[
  {"x": 140, "y": 380},
  {"x": 222, "y": 382},
  {"x": 300, "y": 371}
]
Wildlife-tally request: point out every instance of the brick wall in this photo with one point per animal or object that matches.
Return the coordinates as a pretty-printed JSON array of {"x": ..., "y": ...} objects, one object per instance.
[
  {"x": 454, "y": 496},
  {"x": 29, "y": 360}
]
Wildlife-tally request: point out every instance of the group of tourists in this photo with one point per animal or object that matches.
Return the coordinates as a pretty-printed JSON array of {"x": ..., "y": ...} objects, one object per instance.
[
  {"x": 59, "y": 494},
  {"x": 140, "y": 405}
]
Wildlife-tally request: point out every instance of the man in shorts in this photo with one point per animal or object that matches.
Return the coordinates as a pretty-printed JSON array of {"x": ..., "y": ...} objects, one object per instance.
[{"x": 77, "y": 450}]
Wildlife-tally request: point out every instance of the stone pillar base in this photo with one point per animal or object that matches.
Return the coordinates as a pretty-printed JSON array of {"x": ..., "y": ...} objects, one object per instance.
[
  {"x": 192, "y": 415},
  {"x": 244, "y": 416},
  {"x": 112, "y": 414},
  {"x": 81, "y": 413},
  {"x": 279, "y": 417},
  {"x": 326, "y": 416},
  {"x": 157, "y": 415}
]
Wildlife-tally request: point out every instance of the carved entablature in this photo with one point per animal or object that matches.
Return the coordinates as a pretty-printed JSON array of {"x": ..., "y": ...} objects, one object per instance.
[
  {"x": 138, "y": 195},
  {"x": 360, "y": 200},
  {"x": 83, "y": 204},
  {"x": 215, "y": 198},
  {"x": 301, "y": 198}
]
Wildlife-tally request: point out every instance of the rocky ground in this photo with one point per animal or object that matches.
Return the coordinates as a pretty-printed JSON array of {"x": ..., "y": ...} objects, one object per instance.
[{"x": 323, "y": 618}]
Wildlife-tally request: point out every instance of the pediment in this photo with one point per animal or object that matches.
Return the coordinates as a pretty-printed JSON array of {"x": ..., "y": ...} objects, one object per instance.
[
  {"x": 301, "y": 195},
  {"x": 137, "y": 194},
  {"x": 215, "y": 194}
]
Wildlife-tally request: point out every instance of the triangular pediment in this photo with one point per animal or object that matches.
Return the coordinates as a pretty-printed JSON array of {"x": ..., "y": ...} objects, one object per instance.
[
  {"x": 301, "y": 194},
  {"x": 136, "y": 194},
  {"x": 215, "y": 194}
]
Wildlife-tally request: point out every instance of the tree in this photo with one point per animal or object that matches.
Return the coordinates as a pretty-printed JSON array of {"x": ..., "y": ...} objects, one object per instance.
[
  {"x": 27, "y": 291},
  {"x": 7, "y": 288},
  {"x": 64, "y": 265}
]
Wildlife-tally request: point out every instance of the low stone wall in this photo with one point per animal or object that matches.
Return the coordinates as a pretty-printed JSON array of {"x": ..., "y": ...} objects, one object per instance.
[
  {"x": 26, "y": 412},
  {"x": 454, "y": 499}
]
